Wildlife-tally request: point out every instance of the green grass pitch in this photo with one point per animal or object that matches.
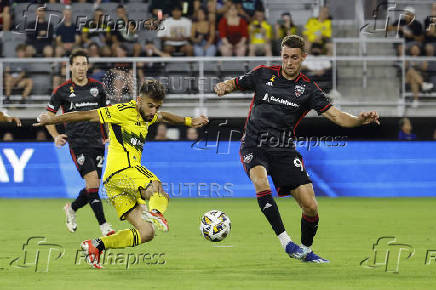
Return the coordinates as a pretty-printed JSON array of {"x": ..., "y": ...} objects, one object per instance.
[{"x": 250, "y": 258}]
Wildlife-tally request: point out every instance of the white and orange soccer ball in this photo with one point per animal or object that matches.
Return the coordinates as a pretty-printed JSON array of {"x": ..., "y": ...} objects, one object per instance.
[{"x": 215, "y": 226}]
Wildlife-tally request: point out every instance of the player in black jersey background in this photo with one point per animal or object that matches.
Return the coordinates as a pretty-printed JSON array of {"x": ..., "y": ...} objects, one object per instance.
[
  {"x": 282, "y": 97},
  {"x": 85, "y": 139}
]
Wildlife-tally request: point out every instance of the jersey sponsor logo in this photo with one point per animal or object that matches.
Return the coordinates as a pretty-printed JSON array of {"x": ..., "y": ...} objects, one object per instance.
[
  {"x": 81, "y": 159},
  {"x": 299, "y": 90},
  {"x": 248, "y": 158},
  {"x": 85, "y": 104},
  {"x": 269, "y": 99},
  {"x": 93, "y": 92}
]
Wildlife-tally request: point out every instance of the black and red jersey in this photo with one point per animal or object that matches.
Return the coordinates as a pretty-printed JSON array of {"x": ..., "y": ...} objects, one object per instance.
[
  {"x": 71, "y": 97},
  {"x": 278, "y": 106}
]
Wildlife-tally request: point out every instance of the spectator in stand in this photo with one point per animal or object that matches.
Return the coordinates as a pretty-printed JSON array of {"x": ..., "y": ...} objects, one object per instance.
[
  {"x": 100, "y": 35},
  {"x": 430, "y": 32},
  {"x": 260, "y": 35},
  {"x": 16, "y": 77},
  {"x": 40, "y": 34},
  {"x": 315, "y": 68},
  {"x": 122, "y": 15},
  {"x": 247, "y": 8},
  {"x": 66, "y": 33},
  {"x": 414, "y": 76},
  {"x": 59, "y": 69},
  {"x": 41, "y": 135},
  {"x": 5, "y": 15},
  {"x": 164, "y": 6},
  {"x": 176, "y": 33},
  {"x": 8, "y": 137},
  {"x": 162, "y": 133},
  {"x": 233, "y": 33},
  {"x": 106, "y": 51},
  {"x": 318, "y": 32},
  {"x": 284, "y": 26},
  {"x": 203, "y": 35},
  {"x": 218, "y": 8},
  {"x": 410, "y": 29},
  {"x": 405, "y": 133},
  {"x": 192, "y": 134},
  {"x": 144, "y": 68},
  {"x": 128, "y": 38}
]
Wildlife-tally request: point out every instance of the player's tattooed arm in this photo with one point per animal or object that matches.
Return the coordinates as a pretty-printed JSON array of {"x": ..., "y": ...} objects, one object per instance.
[
  {"x": 225, "y": 87},
  {"x": 344, "y": 119},
  {"x": 79, "y": 116},
  {"x": 178, "y": 120}
]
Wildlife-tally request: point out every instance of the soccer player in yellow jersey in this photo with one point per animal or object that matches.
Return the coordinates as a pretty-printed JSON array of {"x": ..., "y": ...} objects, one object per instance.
[{"x": 126, "y": 181}]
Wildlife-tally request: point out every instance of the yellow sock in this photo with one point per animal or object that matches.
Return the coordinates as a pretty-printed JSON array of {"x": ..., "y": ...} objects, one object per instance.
[
  {"x": 159, "y": 202},
  {"x": 122, "y": 239}
]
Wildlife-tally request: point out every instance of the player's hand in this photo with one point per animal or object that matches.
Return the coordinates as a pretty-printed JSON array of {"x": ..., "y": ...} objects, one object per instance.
[
  {"x": 42, "y": 120},
  {"x": 369, "y": 117},
  {"x": 199, "y": 121},
  {"x": 60, "y": 140},
  {"x": 222, "y": 89},
  {"x": 14, "y": 119}
]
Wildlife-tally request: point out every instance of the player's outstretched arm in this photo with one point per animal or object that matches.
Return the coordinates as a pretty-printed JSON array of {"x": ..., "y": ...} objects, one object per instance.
[
  {"x": 344, "y": 119},
  {"x": 178, "y": 120},
  {"x": 80, "y": 116},
  {"x": 225, "y": 87},
  {"x": 6, "y": 118}
]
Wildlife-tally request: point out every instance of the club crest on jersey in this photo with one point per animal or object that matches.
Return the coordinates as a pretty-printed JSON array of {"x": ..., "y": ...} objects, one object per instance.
[
  {"x": 299, "y": 90},
  {"x": 81, "y": 159},
  {"x": 94, "y": 92},
  {"x": 248, "y": 158}
]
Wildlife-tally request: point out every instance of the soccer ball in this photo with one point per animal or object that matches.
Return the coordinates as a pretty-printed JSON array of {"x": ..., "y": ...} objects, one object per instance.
[{"x": 215, "y": 226}]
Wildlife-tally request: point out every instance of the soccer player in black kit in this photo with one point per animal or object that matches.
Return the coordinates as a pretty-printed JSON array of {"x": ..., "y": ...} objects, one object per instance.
[
  {"x": 85, "y": 139},
  {"x": 282, "y": 97}
]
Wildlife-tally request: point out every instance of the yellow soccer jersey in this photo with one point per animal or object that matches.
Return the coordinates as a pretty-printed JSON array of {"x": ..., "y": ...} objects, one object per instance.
[{"x": 127, "y": 133}]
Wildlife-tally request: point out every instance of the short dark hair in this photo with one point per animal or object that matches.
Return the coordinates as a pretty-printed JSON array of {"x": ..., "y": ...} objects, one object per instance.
[
  {"x": 153, "y": 89},
  {"x": 78, "y": 52},
  {"x": 293, "y": 41},
  {"x": 403, "y": 121}
]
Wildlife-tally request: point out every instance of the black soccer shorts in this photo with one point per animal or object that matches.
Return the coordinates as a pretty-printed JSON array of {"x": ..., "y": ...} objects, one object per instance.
[
  {"x": 88, "y": 160},
  {"x": 286, "y": 168}
]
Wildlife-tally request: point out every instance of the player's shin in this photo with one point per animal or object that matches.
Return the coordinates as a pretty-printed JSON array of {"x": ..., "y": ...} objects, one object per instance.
[
  {"x": 96, "y": 205},
  {"x": 121, "y": 239},
  {"x": 81, "y": 200},
  {"x": 271, "y": 211},
  {"x": 309, "y": 226}
]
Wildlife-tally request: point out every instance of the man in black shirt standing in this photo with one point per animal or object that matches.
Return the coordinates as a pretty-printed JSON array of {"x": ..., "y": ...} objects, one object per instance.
[
  {"x": 283, "y": 96},
  {"x": 81, "y": 93}
]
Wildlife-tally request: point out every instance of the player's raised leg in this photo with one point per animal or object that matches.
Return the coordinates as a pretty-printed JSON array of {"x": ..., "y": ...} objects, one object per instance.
[
  {"x": 269, "y": 208},
  {"x": 158, "y": 204},
  {"x": 305, "y": 196}
]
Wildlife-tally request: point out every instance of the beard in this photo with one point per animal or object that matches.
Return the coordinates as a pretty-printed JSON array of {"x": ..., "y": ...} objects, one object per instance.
[{"x": 144, "y": 116}]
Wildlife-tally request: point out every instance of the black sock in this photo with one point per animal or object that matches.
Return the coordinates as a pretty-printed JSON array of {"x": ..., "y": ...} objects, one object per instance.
[
  {"x": 100, "y": 245},
  {"x": 96, "y": 205},
  {"x": 269, "y": 208},
  {"x": 309, "y": 226},
  {"x": 81, "y": 200}
]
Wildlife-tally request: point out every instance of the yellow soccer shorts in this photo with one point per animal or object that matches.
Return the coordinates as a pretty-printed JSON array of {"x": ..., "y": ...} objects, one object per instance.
[{"x": 122, "y": 188}]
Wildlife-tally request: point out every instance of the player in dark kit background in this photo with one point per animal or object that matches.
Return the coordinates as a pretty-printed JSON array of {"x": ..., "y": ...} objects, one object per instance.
[
  {"x": 85, "y": 139},
  {"x": 283, "y": 96}
]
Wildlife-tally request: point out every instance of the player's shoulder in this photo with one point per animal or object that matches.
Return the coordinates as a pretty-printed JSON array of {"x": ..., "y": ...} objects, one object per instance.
[
  {"x": 267, "y": 70},
  {"x": 92, "y": 81},
  {"x": 63, "y": 86},
  {"x": 306, "y": 81}
]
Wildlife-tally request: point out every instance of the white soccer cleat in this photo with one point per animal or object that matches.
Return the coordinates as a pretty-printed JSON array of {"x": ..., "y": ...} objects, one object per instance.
[
  {"x": 156, "y": 219},
  {"x": 70, "y": 215},
  {"x": 106, "y": 229}
]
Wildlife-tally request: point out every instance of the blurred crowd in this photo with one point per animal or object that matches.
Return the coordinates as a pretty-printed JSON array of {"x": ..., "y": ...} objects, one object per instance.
[{"x": 189, "y": 28}]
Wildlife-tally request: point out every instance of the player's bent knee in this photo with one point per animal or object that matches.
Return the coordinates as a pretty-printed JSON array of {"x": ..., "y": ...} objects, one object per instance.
[
  {"x": 310, "y": 209},
  {"x": 146, "y": 231}
]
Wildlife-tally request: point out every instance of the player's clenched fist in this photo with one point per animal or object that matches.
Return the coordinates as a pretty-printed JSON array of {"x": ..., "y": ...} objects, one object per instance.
[
  {"x": 199, "y": 121},
  {"x": 223, "y": 88}
]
